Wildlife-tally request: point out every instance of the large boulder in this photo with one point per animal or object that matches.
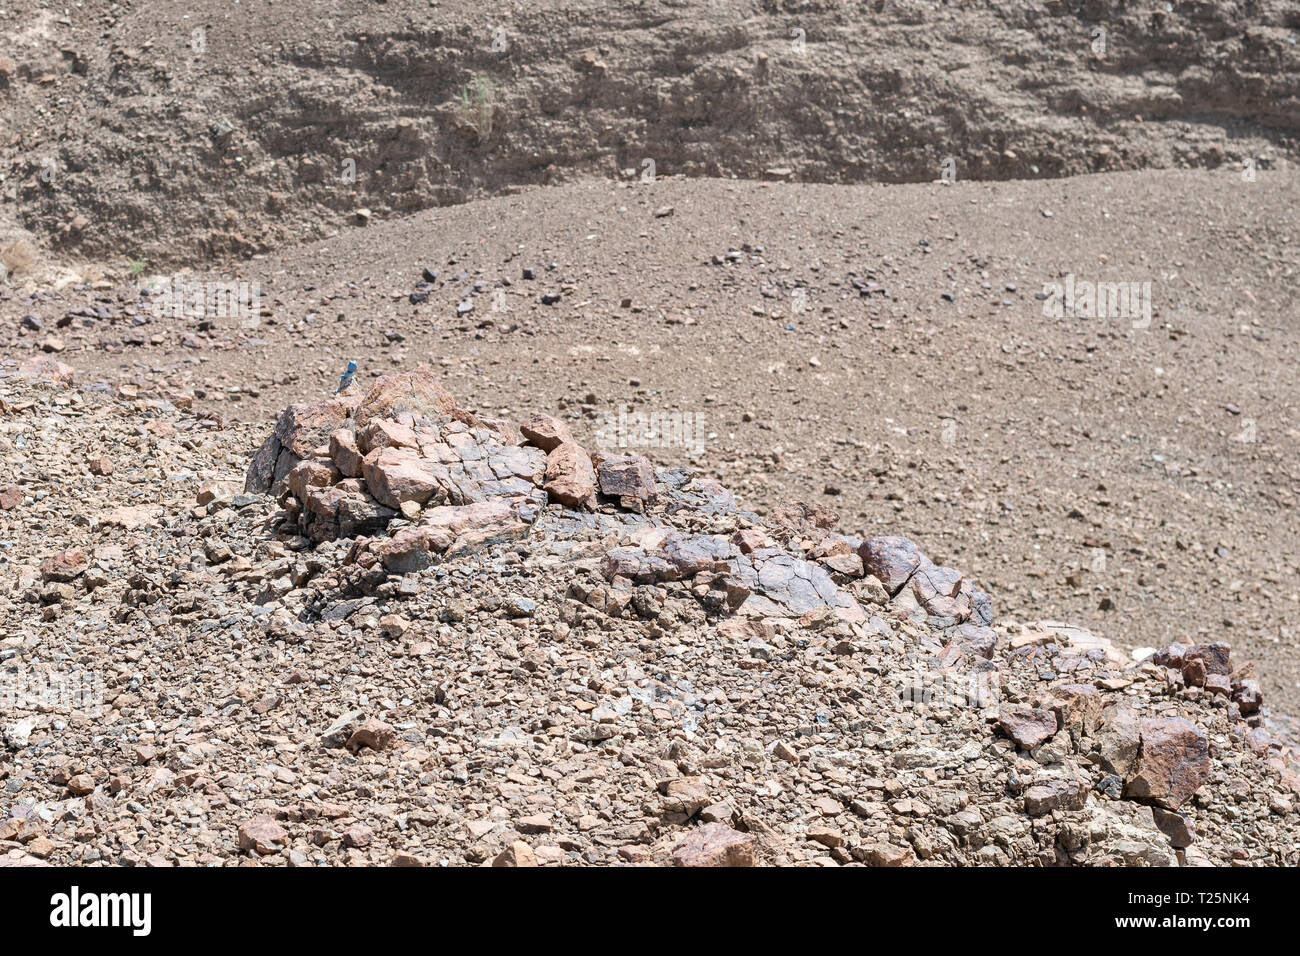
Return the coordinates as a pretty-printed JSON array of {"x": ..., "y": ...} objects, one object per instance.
[
  {"x": 418, "y": 391},
  {"x": 298, "y": 432}
]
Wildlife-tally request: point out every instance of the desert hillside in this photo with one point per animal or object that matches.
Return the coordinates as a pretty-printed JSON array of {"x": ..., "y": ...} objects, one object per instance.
[{"x": 698, "y": 433}]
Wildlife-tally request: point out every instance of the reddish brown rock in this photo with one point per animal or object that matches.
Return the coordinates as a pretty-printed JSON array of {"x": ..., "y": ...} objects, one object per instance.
[
  {"x": 394, "y": 475},
  {"x": 262, "y": 835},
  {"x": 358, "y": 835},
  {"x": 100, "y": 467},
  {"x": 715, "y": 844},
  {"x": 1194, "y": 672},
  {"x": 312, "y": 473},
  {"x": 1043, "y": 798},
  {"x": 385, "y": 433},
  {"x": 1218, "y": 684},
  {"x": 418, "y": 391},
  {"x": 685, "y": 795},
  {"x": 11, "y": 496},
  {"x": 1175, "y": 826},
  {"x": 845, "y": 565},
  {"x": 518, "y": 853},
  {"x": 545, "y": 432},
  {"x": 209, "y": 492},
  {"x": 627, "y": 476},
  {"x": 1028, "y": 726},
  {"x": 303, "y": 428},
  {"x": 1173, "y": 763},
  {"x": 891, "y": 559},
  {"x": 410, "y": 549},
  {"x": 373, "y": 734},
  {"x": 344, "y": 452},
  {"x": 1215, "y": 658},
  {"x": 66, "y": 565},
  {"x": 1247, "y": 695},
  {"x": 570, "y": 479},
  {"x": 325, "y": 500},
  {"x": 833, "y": 545},
  {"x": 885, "y": 854},
  {"x": 1077, "y": 707},
  {"x": 826, "y": 835},
  {"x": 299, "y": 432},
  {"x": 803, "y": 518}
]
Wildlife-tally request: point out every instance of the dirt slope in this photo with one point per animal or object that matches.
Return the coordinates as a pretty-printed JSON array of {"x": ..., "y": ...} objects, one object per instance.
[
  {"x": 174, "y": 131},
  {"x": 1141, "y": 481}
]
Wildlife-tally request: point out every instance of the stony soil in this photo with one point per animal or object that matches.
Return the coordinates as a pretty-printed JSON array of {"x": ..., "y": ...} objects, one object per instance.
[
  {"x": 1091, "y": 470},
  {"x": 654, "y": 677},
  {"x": 808, "y": 311}
]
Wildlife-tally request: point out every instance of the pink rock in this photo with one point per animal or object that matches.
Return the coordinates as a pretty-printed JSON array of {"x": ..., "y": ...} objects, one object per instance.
[
  {"x": 65, "y": 565},
  {"x": 715, "y": 844},
  {"x": 262, "y": 835},
  {"x": 418, "y": 391},
  {"x": 311, "y": 473},
  {"x": 384, "y": 433},
  {"x": 11, "y": 496},
  {"x": 410, "y": 549},
  {"x": 373, "y": 735},
  {"x": 1174, "y": 762},
  {"x": 570, "y": 479},
  {"x": 518, "y": 853},
  {"x": 470, "y": 517},
  {"x": 885, "y": 854},
  {"x": 749, "y": 540},
  {"x": 1028, "y": 726},
  {"x": 358, "y": 835},
  {"x": 347, "y": 456},
  {"x": 545, "y": 432},
  {"x": 394, "y": 475}
]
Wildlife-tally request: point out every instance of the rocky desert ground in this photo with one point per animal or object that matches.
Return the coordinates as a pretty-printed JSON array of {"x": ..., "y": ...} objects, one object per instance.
[{"x": 674, "y": 433}]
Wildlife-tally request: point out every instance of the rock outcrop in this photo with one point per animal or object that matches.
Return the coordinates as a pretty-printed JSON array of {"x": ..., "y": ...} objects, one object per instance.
[{"x": 407, "y": 650}]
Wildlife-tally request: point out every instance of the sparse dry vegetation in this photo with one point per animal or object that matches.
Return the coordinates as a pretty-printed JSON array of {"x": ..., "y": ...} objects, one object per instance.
[{"x": 476, "y": 106}]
